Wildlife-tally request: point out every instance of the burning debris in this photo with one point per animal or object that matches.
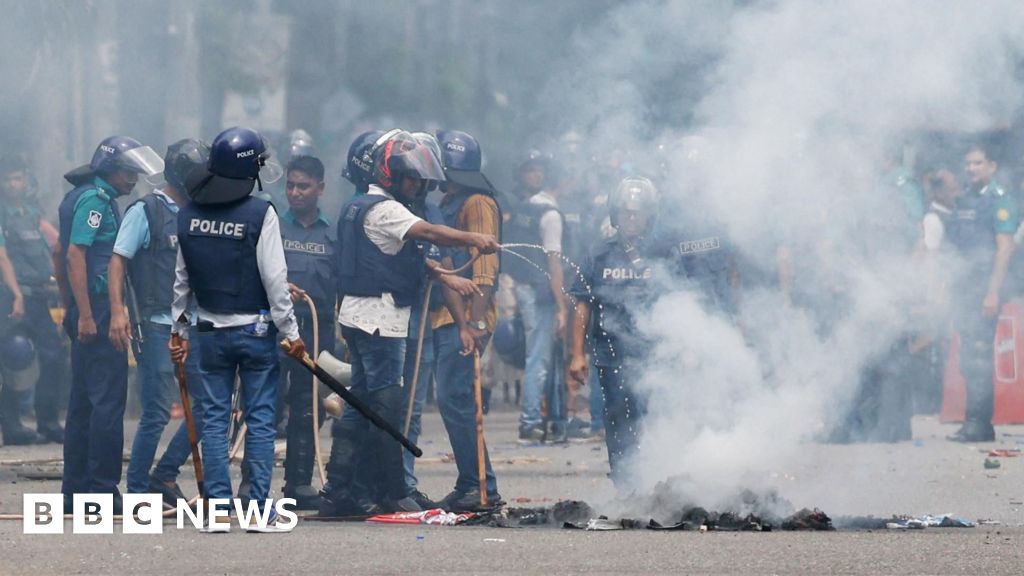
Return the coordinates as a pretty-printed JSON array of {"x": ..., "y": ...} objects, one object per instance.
[{"x": 577, "y": 515}]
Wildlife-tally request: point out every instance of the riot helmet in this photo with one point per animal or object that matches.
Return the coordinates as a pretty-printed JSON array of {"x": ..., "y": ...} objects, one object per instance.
[
  {"x": 117, "y": 153},
  {"x": 398, "y": 155},
  {"x": 359, "y": 163},
  {"x": 239, "y": 160},
  {"x": 634, "y": 193},
  {"x": 185, "y": 164},
  {"x": 462, "y": 160}
]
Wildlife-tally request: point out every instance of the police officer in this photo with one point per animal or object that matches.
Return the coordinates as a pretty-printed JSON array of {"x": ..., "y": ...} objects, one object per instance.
[
  {"x": 29, "y": 252},
  {"x": 231, "y": 258},
  {"x": 309, "y": 249},
  {"x": 616, "y": 282},
  {"x": 89, "y": 219},
  {"x": 981, "y": 230},
  {"x": 537, "y": 220},
  {"x": 469, "y": 205},
  {"x": 147, "y": 248},
  {"x": 380, "y": 274}
]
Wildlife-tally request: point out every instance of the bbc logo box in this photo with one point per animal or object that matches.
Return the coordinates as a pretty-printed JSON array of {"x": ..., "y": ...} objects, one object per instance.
[{"x": 92, "y": 514}]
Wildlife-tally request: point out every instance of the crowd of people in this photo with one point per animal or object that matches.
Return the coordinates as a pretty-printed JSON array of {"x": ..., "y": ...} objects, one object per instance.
[{"x": 427, "y": 273}]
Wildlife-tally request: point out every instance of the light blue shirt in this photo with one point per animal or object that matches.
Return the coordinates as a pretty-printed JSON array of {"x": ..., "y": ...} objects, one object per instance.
[{"x": 134, "y": 236}]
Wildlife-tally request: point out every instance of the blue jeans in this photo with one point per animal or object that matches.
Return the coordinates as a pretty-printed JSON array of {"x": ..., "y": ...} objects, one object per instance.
[
  {"x": 222, "y": 353},
  {"x": 158, "y": 388},
  {"x": 425, "y": 376},
  {"x": 94, "y": 428},
  {"x": 456, "y": 401},
  {"x": 539, "y": 324},
  {"x": 366, "y": 462}
]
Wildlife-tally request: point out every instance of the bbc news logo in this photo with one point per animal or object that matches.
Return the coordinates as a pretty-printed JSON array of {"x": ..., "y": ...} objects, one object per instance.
[{"x": 144, "y": 513}]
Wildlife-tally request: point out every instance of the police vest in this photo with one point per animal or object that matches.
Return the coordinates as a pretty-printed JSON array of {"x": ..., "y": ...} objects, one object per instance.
[
  {"x": 622, "y": 286},
  {"x": 971, "y": 229},
  {"x": 703, "y": 263},
  {"x": 311, "y": 258},
  {"x": 27, "y": 249},
  {"x": 523, "y": 227},
  {"x": 218, "y": 245},
  {"x": 365, "y": 270},
  {"x": 97, "y": 256},
  {"x": 152, "y": 270},
  {"x": 450, "y": 208}
]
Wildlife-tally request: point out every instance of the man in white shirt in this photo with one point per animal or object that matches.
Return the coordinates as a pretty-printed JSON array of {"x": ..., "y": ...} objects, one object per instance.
[{"x": 380, "y": 274}]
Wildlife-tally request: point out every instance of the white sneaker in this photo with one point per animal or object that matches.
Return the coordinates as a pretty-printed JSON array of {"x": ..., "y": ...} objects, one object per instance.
[{"x": 272, "y": 526}]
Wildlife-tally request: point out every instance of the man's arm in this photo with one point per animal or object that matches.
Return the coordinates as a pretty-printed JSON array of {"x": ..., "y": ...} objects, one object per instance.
[
  {"x": 1004, "y": 251},
  {"x": 274, "y": 273},
  {"x": 78, "y": 278},
  {"x": 59, "y": 274},
  {"x": 11, "y": 281},
  {"x": 578, "y": 367},
  {"x": 556, "y": 284},
  {"x": 445, "y": 236},
  {"x": 120, "y": 326}
]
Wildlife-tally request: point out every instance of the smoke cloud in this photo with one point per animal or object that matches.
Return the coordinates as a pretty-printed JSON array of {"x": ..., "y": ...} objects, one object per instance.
[{"x": 795, "y": 105}]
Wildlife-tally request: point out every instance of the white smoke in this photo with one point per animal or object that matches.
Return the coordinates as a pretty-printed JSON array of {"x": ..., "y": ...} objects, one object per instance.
[{"x": 796, "y": 103}]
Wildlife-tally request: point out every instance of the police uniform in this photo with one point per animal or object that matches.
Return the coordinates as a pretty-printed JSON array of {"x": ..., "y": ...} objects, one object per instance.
[
  {"x": 148, "y": 239},
  {"x": 29, "y": 253},
  {"x": 94, "y": 428},
  {"x": 617, "y": 280},
  {"x": 310, "y": 252},
  {"x": 979, "y": 215},
  {"x": 231, "y": 258},
  {"x": 704, "y": 260}
]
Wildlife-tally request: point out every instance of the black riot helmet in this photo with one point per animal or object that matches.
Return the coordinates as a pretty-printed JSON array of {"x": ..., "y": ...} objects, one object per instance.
[{"x": 185, "y": 164}]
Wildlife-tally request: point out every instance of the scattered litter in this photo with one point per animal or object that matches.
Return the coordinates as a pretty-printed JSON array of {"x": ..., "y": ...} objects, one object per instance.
[
  {"x": 919, "y": 443},
  {"x": 991, "y": 464},
  {"x": 421, "y": 536},
  {"x": 989, "y": 522},
  {"x": 928, "y": 521},
  {"x": 910, "y": 524},
  {"x": 1004, "y": 453},
  {"x": 433, "y": 517},
  {"x": 494, "y": 539}
]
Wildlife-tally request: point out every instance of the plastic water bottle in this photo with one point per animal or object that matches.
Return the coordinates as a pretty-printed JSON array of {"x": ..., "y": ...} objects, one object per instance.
[{"x": 260, "y": 329}]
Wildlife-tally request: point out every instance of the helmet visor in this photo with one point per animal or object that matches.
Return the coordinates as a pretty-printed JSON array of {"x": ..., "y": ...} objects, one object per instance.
[
  {"x": 411, "y": 159},
  {"x": 270, "y": 169},
  {"x": 143, "y": 160}
]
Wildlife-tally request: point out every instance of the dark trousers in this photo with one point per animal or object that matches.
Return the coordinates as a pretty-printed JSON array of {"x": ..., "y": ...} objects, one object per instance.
[
  {"x": 298, "y": 464},
  {"x": 623, "y": 412},
  {"x": 976, "y": 358},
  {"x": 53, "y": 360},
  {"x": 94, "y": 430}
]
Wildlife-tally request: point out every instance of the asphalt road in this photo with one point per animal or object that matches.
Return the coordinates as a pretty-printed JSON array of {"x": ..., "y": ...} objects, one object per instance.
[{"x": 927, "y": 476}]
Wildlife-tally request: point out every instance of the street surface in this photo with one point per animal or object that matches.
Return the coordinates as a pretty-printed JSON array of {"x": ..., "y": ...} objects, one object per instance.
[{"x": 927, "y": 476}]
